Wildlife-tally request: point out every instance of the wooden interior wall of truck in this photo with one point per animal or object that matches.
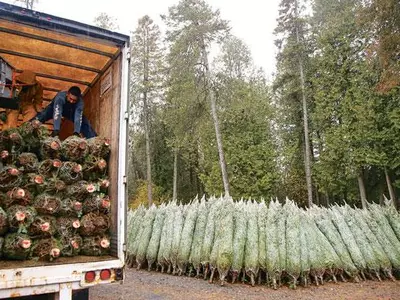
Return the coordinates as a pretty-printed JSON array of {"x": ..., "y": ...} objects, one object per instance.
[{"x": 103, "y": 111}]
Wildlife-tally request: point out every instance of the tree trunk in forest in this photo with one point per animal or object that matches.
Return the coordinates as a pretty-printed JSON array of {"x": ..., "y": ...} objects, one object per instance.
[
  {"x": 146, "y": 122},
  {"x": 382, "y": 199},
  {"x": 361, "y": 186},
  {"x": 148, "y": 159},
  {"x": 215, "y": 121},
  {"x": 307, "y": 152},
  {"x": 175, "y": 183},
  {"x": 392, "y": 195},
  {"x": 327, "y": 200},
  {"x": 317, "y": 196}
]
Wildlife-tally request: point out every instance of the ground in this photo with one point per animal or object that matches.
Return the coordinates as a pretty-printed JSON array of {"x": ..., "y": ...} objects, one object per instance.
[{"x": 144, "y": 285}]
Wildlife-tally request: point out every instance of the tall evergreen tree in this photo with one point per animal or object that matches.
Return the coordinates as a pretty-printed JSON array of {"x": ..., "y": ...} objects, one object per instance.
[
  {"x": 344, "y": 101},
  {"x": 146, "y": 79},
  {"x": 195, "y": 25},
  {"x": 291, "y": 96}
]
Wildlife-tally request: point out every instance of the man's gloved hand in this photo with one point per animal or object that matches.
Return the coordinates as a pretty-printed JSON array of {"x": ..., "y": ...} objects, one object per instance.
[
  {"x": 77, "y": 134},
  {"x": 55, "y": 133}
]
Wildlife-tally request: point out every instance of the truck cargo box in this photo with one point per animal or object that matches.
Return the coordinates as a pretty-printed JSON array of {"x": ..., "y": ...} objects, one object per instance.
[{"x": 65, "y": 53}]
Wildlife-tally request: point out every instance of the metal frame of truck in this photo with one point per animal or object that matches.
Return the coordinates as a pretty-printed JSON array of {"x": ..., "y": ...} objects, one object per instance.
[{"x": 97, "y": 60}]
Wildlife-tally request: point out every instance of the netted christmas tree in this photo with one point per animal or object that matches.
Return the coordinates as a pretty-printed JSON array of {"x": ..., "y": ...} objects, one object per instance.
[
  {"x": 75, "y": 149},
  {"x": 94, "y": 167},
  {"x": 96, "y": 245},
  {"x": 80, "y": 190},
  {"x": 43, "y": 226},
  {"x": 17, "y": 196},
  {"x": 3, "y": 222},
  {"x": 9, "y": 178},
  {"x": 47, "y": 204},
  {"x": 14, "y": 142},
  {"x": 46, "y": 249},
  {"x": 70, "y": 172},
  {"x": 20, "y": 217},
  {"x": 97, "y": 202},
  {"x": 33, "y": 133},
  {"x": 50, "y": 148},
  {"x": 49, "y": 167},
  {"x": 33, "y": 182},
  {"x": 94, "y": 223},
  {"x": 27, "y": 162},
  {"x": 17, "y": 246},
  {"x": 99, "y": 147}
]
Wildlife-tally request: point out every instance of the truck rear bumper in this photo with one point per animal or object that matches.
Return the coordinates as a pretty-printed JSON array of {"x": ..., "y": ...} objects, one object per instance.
[{"x": 59, "y": 279}]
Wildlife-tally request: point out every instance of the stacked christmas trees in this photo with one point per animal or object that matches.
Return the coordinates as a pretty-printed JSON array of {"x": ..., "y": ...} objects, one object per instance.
[{"x": 53, "y": 194}]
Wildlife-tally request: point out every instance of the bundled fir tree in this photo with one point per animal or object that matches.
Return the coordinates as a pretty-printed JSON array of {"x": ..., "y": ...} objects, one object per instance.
[
  {"x": 7, "y": 158},
  {"x": 67, "y": 226},
  {"x": 94, "y": 223},
  {"x": 70, "y": 207},
  {"x": 15, "y": 142},
  {"x": 70, "y": 245},
  {"x": 27, "y": 162},
  {"x": 50, "y": 148},
  {"x": 74, "y": 148},
  {"x": 3, "y": 222},
  {"x": 99, "y": 147},
  {"x": 46, "y": 249},
  {"x": 54, "y": 186},
  {"x": 49, "y": 167},
  {"x": 33, "y": 182},
  {"x": 20, "y": 217},
  {"x": 9, "y": 178},
  {"x": 42, "y": 227},
  {"x": 96, "y": 245},
  {"x": 102, "y": 185},
  {"x": 17, "y": 246},
  {"x": 17, "y": 196},
  {"x": 97, "y": 202},
  {"x": 94, "y": 167},
  {"x": 47, "y": 204},
  {"x": 80, "y": 190},
  {"x": 70, "y": 172},
  {"x": 33, "y": 133}
]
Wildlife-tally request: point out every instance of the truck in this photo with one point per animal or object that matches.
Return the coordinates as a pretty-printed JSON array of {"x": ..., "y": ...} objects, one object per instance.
[{"x": 65, "y": 53}]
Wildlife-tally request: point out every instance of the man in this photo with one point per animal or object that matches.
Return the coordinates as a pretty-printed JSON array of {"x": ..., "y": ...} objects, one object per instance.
[
  {"x": 30, "y": 99},
  {"x": 67, "y": 104}
]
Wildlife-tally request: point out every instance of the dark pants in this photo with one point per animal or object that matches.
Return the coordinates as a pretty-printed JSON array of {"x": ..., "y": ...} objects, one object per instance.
[{"x": 86, "y": 128}]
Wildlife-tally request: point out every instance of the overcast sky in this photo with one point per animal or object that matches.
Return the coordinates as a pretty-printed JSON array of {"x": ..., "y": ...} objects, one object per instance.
[{"x": 253, "y": 21}]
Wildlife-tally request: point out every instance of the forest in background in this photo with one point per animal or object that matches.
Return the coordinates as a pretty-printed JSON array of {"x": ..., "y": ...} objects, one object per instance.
[{"x": 325, "y": 130}]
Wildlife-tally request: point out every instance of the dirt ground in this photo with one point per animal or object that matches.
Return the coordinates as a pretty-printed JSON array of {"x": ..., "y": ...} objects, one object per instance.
[{"x": 144, "y": 285}]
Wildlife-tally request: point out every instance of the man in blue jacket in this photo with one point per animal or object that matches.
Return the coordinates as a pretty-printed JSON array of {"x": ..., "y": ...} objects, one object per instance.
[{"x": 67, "y": 104}]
